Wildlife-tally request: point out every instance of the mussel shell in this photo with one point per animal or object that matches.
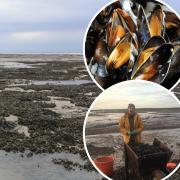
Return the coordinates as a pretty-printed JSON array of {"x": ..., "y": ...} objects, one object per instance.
[
  {"x": 89, "y": 49},
  {"x": 171, "y": 20},
  {"x": 104, "y": 16},
  {"x": 175, "y": 61},
  {"x": 143, "y": 3},
  {"x": 130, "y": 24},
  {"x": 143, "y": 28},
  {"x": 174, "y": 72},
  {"x": 148, "y": 49},
  {"x": 156, "y": 67},
  {"x": 101, "y": 70},
  {"x": 156, "y": 22},
  {"x": 93, "y": 35},
  {"x": 90, "y": 45},
  {"x": 154, "y": 41},
  {"x": 92, "y": 66},
  {"x": 173, "y": 33},
  {"x": 129, "y": 8},
  {"x": 115, "y": 30},
  {"x": 132, "y": 59},
  {"x": 172, "y": 24},
  {"x": 120, "y": 55},
  {"x": 104, "y": 82},
  {"x": 101, "y": 52},
  {"x": 115, "y": 35},
  {"x": 176, "y": 42}
]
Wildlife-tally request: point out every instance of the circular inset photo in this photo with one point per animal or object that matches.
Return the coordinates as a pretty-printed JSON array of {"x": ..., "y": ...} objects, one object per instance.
[
  {"x": 133, "y": 40},
  {"x": 132, "y": 131}
]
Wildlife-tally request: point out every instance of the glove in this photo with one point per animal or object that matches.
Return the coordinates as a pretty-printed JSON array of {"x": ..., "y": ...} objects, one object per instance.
[{"x": 134, "y": 132}]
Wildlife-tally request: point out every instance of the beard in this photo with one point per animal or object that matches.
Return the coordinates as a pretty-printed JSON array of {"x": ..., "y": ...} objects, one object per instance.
[{"x": 131, "y": 114}]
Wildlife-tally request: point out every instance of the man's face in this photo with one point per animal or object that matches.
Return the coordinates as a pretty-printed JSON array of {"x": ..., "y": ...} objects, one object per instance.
[{"x": 131, "y": 110}]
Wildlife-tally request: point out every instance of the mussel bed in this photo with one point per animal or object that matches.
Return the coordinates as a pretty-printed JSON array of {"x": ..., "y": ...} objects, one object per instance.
[
  {"x": 145, "y": 149},
  {"x": 130, "y": 40}
]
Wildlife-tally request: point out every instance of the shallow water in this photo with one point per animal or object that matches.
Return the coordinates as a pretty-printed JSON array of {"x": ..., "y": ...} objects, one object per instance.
[
  {"x": 18, "y": 89},
  {"x": 22, "y": 82},
  {"x": 40, "y": 167},
  {"x": 115, "y": 140},
  {"x": 16, "y": 65},
  {"x": 150, "y": 118},
  {"x": 18, "y": 128},
  {"x": 65, "y": 107},
  {"x": 11, "y": 118}
]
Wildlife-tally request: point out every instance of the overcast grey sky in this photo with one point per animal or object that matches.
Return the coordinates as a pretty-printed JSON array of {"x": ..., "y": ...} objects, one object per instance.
[
  {"x": 142, "y": 93},
  {"x": 48, "y": 26}
]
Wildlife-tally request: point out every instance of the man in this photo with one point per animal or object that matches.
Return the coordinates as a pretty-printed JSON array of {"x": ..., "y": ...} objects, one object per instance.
[{"x": 131, "y": 126}]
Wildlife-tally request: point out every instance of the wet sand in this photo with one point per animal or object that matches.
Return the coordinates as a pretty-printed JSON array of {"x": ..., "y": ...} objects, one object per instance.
[
  {"x": 43, "y": 102},
  {"x": 112, "y": 145},
  {"x": 103, "y": 137},
  {"x": 175, "y": 176},
  {"x": 40, "y": 167}
]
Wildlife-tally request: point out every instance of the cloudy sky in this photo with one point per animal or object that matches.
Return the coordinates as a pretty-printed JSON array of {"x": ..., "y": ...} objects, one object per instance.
[
  {"x": 47, "y": 26},
  {"x": 142, "y": 94}
]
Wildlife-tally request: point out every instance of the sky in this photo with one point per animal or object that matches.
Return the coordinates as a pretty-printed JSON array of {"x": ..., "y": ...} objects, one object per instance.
[
  {"x": 48, "y": 26},
  {"x": 142, "y": 93}
]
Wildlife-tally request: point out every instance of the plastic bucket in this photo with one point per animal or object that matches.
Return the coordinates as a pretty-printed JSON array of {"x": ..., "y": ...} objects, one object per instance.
[
  {"x": 171, "y": 165},
  {"x": 105, "y": 165}
]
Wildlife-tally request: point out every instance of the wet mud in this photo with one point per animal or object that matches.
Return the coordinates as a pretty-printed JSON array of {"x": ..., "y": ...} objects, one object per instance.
[
  {"x": 175, "y": 176},
  {"x": 37, "y": 118}
]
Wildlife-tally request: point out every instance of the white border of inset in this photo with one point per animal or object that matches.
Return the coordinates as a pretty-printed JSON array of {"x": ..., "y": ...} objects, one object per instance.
[
  {"x": 84, "y": 40},
  {"x": 109, "y": 89}
]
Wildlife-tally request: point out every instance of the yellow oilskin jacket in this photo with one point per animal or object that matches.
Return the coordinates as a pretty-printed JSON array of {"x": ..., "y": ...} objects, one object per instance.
[{"x": 124, "y": 127}]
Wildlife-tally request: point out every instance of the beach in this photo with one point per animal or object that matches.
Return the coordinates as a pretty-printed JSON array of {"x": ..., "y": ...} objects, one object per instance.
[
  {"x": 104, "y": 139},
  {"x": 43, "y": 102}
]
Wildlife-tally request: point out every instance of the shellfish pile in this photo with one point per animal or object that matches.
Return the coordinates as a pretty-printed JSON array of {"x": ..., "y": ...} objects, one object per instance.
[{"x": 134, "y": 39}]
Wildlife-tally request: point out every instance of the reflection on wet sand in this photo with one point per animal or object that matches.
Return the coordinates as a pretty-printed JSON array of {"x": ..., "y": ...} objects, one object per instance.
[{"x": 42, "y": 109}]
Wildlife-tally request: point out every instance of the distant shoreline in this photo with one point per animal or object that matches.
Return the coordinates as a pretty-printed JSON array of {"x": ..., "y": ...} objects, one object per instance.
[
  {"x": 139, "y": 110},
  {"x": 41, "y": 53},
  {"x": 43, "y": 57},
  {"x": 115, "y": 129}
]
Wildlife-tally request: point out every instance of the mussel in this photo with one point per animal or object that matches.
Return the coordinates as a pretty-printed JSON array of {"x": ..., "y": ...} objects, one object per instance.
[
  {"x": 172, "y": 24},
  {"x": 115, "y": 30},
  {"x": 157, "y": 22},
  {"x": 102, "y": 76},
  {"x": 104, "y": 16},
  {"x": 120, "y": 54},
  {"x": 156, "y": 66},
  {"x": 147, "y": 51},
  {"x": 101, "y": 52},
  {"x": 143, "y": 28},
  {"x": 130, "y": 25},
  {"x": 174, "y": 72},
  {"x": 134, "y": 39}
]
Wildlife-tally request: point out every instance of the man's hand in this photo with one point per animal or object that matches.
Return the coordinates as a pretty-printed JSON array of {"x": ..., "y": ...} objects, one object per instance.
[{"x": 134, "y": 132}]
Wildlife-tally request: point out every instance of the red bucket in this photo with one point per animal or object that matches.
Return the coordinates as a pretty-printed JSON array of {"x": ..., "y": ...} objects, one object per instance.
[
  {"x": 105, "y": 165},
  {"x": 171, "y": 165}
]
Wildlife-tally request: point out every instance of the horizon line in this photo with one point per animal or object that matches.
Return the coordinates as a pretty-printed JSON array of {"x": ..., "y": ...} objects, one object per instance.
[
  {"x": 44, "y": 53},
  {"x": 138, "y": 108}
]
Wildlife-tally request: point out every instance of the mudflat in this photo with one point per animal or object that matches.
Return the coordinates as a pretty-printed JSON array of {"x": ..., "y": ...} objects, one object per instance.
[{"x": 43, "y": 102}]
